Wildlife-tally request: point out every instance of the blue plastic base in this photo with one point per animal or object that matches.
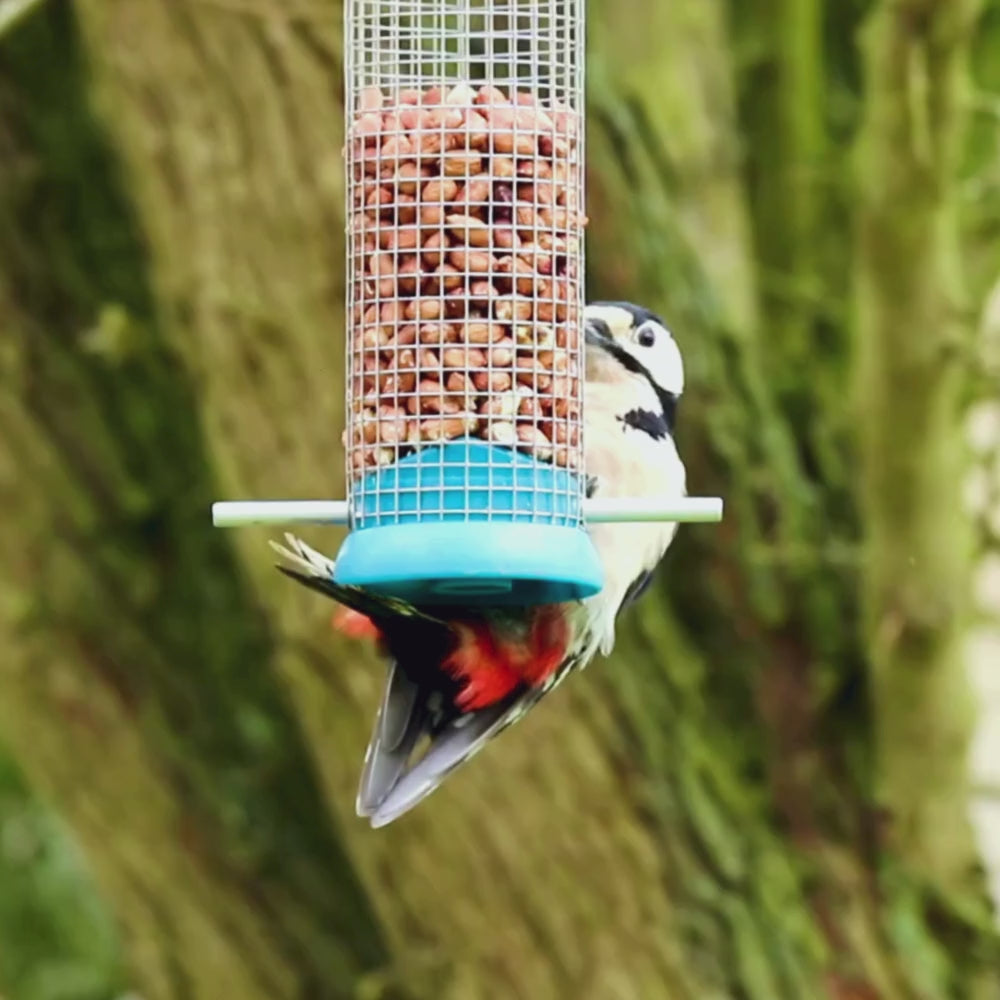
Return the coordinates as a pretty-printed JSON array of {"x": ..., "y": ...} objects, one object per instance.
[
  {"x": 472, "y": 562},
  {"x": 468, "y": 522}
]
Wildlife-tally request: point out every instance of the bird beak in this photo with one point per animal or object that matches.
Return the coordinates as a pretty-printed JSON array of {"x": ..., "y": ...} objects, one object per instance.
[{"x": 596, "y": 335}]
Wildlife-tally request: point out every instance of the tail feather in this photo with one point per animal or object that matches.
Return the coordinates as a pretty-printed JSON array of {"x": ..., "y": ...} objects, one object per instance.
[
  {"x": 399, "y": 724},
  {"x": 422, "y": 697},
  {"x": 464, "y": 737}
]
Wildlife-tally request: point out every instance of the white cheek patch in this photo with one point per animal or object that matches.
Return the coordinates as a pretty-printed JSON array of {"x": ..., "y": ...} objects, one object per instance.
[
  {"x": 671, "y": 377},
  {"x": 667, "y": 366}
]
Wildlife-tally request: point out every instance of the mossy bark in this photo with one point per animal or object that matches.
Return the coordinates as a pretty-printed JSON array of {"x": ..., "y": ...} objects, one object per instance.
[
  {"x": 914, "y": 350},
  {"x": 693, "y": 819}
]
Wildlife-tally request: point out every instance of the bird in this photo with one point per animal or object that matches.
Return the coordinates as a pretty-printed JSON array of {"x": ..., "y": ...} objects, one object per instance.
[{"x": 458, "y": 677}]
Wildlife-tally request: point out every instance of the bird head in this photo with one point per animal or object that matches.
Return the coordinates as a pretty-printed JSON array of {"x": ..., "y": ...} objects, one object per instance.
[{"x": 631, "y": 351}]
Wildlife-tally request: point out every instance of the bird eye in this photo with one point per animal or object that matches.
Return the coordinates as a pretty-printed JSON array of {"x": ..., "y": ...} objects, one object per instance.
[{"x": 647, "y": 336}]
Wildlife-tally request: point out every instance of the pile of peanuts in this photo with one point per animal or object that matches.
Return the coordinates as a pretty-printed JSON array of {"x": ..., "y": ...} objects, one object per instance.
[{"x": 465, "y": 238}]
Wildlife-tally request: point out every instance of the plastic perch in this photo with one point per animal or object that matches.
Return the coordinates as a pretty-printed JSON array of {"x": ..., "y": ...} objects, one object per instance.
[{"x": 685, "y": 510}]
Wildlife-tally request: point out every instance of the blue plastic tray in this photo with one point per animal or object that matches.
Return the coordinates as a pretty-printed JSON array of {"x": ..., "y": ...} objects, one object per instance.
[{"x": 468, "y": 522}]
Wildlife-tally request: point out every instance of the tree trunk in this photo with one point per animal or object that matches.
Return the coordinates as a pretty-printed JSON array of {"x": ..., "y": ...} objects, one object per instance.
[{"x": 705, "y": 817}]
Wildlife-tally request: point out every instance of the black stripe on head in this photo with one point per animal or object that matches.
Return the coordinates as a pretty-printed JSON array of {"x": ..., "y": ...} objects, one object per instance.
[
  {"x": 638, "y": 314},
  {"x": 667, "y": 399}
]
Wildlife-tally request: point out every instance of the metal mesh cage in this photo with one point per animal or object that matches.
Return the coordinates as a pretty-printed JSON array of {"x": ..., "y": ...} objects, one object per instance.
[{"x": 464, "y": 158}]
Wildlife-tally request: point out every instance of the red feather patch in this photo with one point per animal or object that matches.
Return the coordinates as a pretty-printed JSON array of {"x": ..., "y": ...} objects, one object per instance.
[
  {"x": 492, "y": 668},
  {"x": 355, "y": 625}
]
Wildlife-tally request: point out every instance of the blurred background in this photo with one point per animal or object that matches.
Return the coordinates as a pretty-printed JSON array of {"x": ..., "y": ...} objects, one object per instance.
[{"x": 785, "y": 783}]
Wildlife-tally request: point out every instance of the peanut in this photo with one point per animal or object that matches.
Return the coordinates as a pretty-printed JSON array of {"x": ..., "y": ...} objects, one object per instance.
[
  {"x": 456, "y": 304},
  {"x": 427, "y": 360},
  {"x": 529, "y": 407},
  {"x": 406, "y": 209},
  {"x": 445, "y": 277},
  {"x": 502, "y": 432},
  {"x": 399, "y": 238},
  {"x": 475, "y": 194},
  {"x": 430, "y": 397},
  {"x": 434, "y": 250},
  {"x": 508, "y": 142},
  {"x": 461, "y": 95},
  {"x": 519, "y": 274},
  {"x": 491, "y": 96},
  {"x": 464, "y": 242},
  {"x": 477, "y": 130},
  {"x": 406, "y": 335},
  {"x": 503, "y": 404},
  {"x": 379, "y": 197},
  {"x": 482, "y": 293},
  {"x": 429, "y": 142},
  {"x": 486, "y": 381},
  {"x": 414, "y": 119},
  {"x": 535, "y": 258},
  {"x": 370, "y": 123},
  {"x": 471, "y": 261},
  {"x": 437, "y": 333},
  {"x": 381, "y": 265},
  {"x": 463, "y": 358},
  {"x": 534, "y": 335},
  {"x": 567, "y": 457},
  {"x": 409, "y": 269},
  {"x": 459, "y": 384},
  {"x": 392, "y": 425},
  {"x": 508, "y": 309},
  {"x": 423, "y": 309},
  {"x": 432, "y": 216},
  {"x": 398, "y": 147},
  {"x": 502, "y": 353},
  {"x": 407, "y": 177},
  {"x": 445, "y": 428},
  {"x": 504, "y": 238},
  {"x": 532, "y": 439},
  {"x": 532, "y": 376},
  {"x": 536, "y": 168},
  {"x": 441, "y": 190},
  {"x": 469, "y": 230},
  {"x": 406, "y": 360},
  {"x": 561, "y": 432},
  {"x": 460, "y": 164},
  {"x": 503, "y": 166},
  {"x": 371, "y": 99},
  {"x": 481, "y": 332}
]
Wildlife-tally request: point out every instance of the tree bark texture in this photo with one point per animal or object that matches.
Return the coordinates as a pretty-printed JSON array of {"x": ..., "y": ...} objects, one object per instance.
[{"x": 761, "y": 795}]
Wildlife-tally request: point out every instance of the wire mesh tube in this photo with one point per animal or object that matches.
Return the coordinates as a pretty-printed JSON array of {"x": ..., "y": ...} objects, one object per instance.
[{"x": 465, "y": 167}]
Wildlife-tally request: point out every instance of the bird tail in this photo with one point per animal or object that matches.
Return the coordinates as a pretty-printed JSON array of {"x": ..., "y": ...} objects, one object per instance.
[{"x": 396, "y": 775}]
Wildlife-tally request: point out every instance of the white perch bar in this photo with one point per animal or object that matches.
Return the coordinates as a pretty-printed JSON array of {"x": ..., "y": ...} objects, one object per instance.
[{"x": 686, "y": 510}]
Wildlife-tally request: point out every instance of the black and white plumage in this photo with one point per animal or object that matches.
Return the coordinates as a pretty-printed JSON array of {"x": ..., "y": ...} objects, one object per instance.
[{"x": 633, "y": 383}]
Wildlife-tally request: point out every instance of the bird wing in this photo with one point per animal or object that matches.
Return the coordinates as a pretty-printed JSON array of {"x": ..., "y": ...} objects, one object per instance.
[
  {"x": 453, "y": 744},
  {"x": 315, "y": 571},
  {"x": 636, "y": 589},
  {"x": 395, "y": 776},
  {"x": 399, "y": 724},
  {"x": 391, "y": 786}
]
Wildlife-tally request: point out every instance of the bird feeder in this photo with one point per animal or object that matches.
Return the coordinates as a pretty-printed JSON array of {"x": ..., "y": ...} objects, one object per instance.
[{"x": 464, "y": 156}]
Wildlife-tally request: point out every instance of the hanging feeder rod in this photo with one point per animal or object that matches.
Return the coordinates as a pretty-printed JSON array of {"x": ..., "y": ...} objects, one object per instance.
[{"x": 684, "y": 510}]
